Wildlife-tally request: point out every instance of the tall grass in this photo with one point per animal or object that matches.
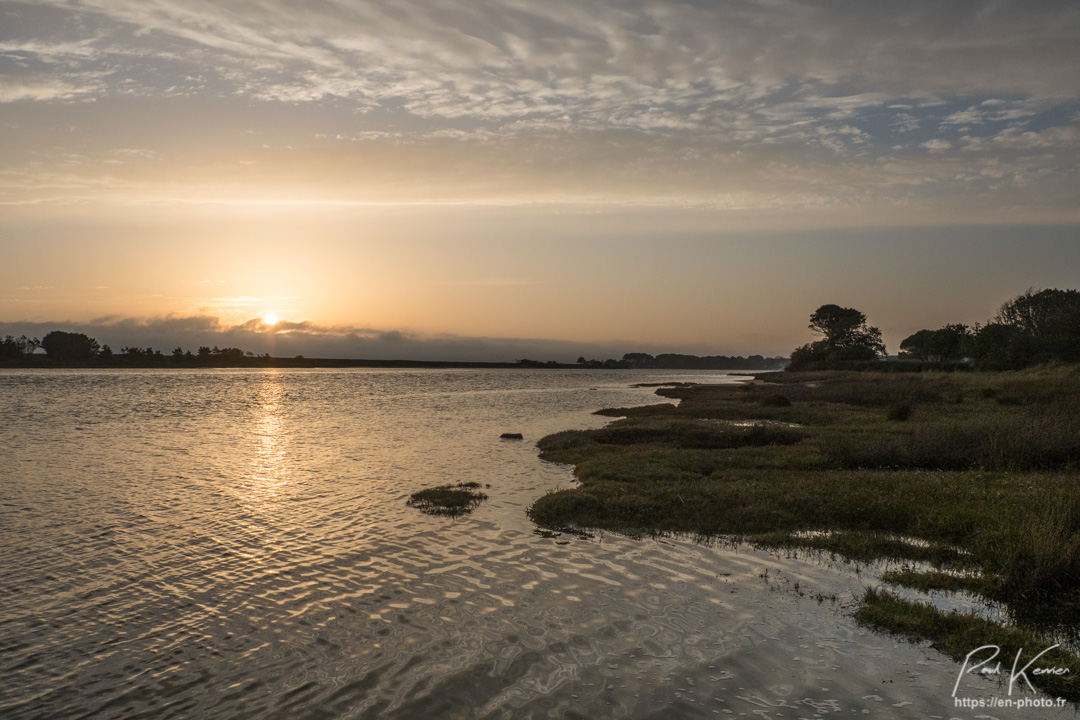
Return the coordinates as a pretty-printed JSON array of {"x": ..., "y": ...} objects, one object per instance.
[
  {"x": 1035, "y": 552},
  {"x": 1037, "y": 437}
]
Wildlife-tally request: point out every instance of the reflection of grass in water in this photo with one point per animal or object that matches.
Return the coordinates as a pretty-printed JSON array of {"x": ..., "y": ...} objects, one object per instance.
[
  {"x": 452, "y": 500},
  {"x": 987, "y": 485}
]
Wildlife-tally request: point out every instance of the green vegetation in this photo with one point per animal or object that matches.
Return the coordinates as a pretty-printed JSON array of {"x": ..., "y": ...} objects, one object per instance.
[
  {"x": 975, "y": 474},
  {"x": 928, "y": 581},
  {"x": 984, "y": 462},
  {"x": 958, "y": 635},
  {"x": 452, "y": 500}
]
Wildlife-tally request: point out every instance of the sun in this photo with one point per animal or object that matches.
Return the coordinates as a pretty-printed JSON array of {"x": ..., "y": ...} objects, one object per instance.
[{"x": 270, "y": 318}]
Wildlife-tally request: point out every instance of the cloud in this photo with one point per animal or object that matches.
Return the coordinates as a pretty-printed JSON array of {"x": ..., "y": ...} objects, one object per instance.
[
  {"x": 499, "y": 58},
  {"x": 47, "y": 52},
  {"x": 1016, "y": 138},
  {"x": 39, "y": 87},
  {"x": 936, "y": 146},
  {"x": 732, "y": 104},
  {"x": 994, "y": 110}
]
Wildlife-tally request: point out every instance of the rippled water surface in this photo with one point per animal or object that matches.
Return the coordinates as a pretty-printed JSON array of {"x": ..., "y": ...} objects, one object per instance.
[{"x": 230, "y": 544}]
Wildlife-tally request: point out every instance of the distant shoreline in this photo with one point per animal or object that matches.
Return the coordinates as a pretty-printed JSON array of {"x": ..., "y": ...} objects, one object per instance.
[
  {"x": 259, "y": 362},
  {"x": 168, "y": 363},
  {"x": 78, "y": 350}
]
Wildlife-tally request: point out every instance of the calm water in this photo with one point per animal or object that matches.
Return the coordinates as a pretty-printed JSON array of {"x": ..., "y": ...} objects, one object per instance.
[{"x": 231, "y": 544}]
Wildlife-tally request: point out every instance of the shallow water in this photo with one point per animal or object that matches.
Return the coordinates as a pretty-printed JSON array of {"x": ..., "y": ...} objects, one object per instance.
[{"x": 229, "y": 544}]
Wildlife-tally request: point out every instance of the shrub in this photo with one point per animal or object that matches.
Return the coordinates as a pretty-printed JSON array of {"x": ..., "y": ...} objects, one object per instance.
[
  {"x": 775, "y": 400},
  {"x": 900, "y": 412}
]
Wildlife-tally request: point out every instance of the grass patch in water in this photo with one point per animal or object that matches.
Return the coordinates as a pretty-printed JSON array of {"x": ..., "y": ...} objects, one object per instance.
[
  {"x": 867, "y": 547},
  {"x": 451, "y": 500},
  {"x": 928, "y": 581}
]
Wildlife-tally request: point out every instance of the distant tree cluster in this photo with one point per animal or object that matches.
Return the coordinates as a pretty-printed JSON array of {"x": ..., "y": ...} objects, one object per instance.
[
  {"x": 525, "y": 362},
  {"x": 951, "y": 343},
  {"x": 675, "y": 361},
  {"x": 1030, "y": 329},
  {"x": 70, "y": 348},
  {"x": 16, "y": 348},
  {"x": 846, "y": 338}
]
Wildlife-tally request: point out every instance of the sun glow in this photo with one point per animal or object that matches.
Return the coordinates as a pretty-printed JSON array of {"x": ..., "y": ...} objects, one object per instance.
[{"x": 270, "y": 318}]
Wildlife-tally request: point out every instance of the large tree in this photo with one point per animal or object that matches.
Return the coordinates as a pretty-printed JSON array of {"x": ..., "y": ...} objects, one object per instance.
[
  {"x": 1042, "y": 313},
  {"x": 839, "y": 325},
  {"x": 1032, "y": 328},
  {"x": 61, "y": 345},
  {"x": 846, "y": 337},
  {"x": 845, "y": 329}
]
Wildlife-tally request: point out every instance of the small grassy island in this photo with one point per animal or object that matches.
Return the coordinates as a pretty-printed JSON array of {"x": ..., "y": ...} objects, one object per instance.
[
  {"x": 451, "y": 500},
  {"x": 972, "y": 477}
]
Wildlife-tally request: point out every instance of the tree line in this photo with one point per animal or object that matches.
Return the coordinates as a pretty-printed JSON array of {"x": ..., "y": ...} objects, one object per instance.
[
  {"x": 1030, "y": 329},
  {"x": 81, "y": 349}
]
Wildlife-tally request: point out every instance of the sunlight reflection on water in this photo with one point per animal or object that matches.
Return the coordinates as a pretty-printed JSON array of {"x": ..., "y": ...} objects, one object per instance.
[{"x": 269, "y": 476}]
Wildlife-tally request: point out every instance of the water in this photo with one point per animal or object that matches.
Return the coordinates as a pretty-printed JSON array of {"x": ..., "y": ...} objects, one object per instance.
[{"x": 234, "y": 544}]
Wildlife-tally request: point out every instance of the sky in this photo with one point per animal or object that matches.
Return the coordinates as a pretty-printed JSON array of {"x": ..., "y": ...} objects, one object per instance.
[{"x": 496, "y": 179}]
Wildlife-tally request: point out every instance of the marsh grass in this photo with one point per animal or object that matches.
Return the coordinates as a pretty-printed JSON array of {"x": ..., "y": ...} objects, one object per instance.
[
  {"x": 1000, "y": 481},
  {"x": 958, "y": 634},
  {"x": 450, "y": 500},
  {"x": 867, "y": 547},
  {"x": 988, "y": 487},
  {"x": 928, "y": 581},
  {"x": 682, "y": 433}
]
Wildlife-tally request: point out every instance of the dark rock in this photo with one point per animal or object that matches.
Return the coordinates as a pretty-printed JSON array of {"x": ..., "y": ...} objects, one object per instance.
[{"x": 512, "y": 436}]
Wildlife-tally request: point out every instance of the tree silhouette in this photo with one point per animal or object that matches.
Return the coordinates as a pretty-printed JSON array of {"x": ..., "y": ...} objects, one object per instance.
[
  {"x": 949, "y": 344},
  {"x": 17, "y": 347},
  {"x": 60, "y": 345},
  {"x": 839, "y": 325},
  {"x": 1032, "y": 328},
  {"x": 847, "y": 337}
]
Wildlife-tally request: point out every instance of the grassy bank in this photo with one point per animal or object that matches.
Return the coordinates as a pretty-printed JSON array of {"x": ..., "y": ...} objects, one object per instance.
[{"x": 972, "y": 472}]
